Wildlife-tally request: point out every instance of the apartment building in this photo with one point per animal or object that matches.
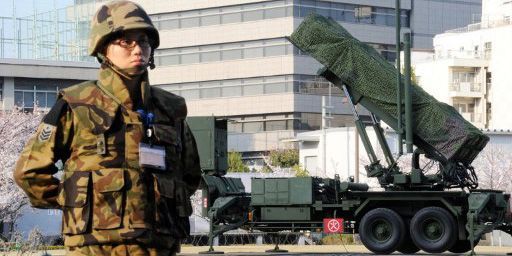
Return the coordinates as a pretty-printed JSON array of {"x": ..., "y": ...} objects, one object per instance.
[{"x": 469, "y": 68}]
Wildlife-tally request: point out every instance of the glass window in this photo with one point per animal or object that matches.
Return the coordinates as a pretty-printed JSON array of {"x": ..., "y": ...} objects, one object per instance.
[
  {"x": 256, "y": 52},
  {"x": 275, "y": 87},
  {"x": 382, "y": 19},
  {"x": 190, "y": 22},
  {"x": 305, "y": 11},
  {"x": 170, "y": 24},
  {"x": 404, "y": 19},
  {"x": 252, "y": 15},
  {"x": 190, "y": 94},
  {"x": 275, "y": 125},
  {"x": 210, "y": 56},
  {"x": 210, "y": 20},
  {"x": 46, "y": 87},
  {"x": 51, "y": 98},
  {"x": 307, "y": 2},
  {"x": 253, "y": 127},
  {"x": 338, "y": 15},
  {"x": 18, "y": 98},
  {"x": 231, "y": 91},
  {"x": 254, "y": 89},
  {"x": 231, "y": 18},
  {"x": 23, "y": 86},
  {"x": 275, "y": 13},
  {"x": 189, "y": 58},
  {"x": 41, "y": 99},
  {"x": 232, "y": 54},
  {"x": 350, "y": 16},
  {"x": 275, "y": 50},
  {"x": 234, "y": 126},
  {"x": 169, "y": 60},
  {"x": 28, "y": 99},
  {"x": 323, "y": 8},
  {"x": 210, "y": 92}
]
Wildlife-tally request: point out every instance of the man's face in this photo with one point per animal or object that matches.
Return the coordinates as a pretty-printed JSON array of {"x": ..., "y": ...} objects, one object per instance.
[{"x": 130, "y": 51}]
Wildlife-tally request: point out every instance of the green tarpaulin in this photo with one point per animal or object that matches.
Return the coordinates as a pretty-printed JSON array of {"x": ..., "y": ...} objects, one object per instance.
[{"x": 366, "y": 72}]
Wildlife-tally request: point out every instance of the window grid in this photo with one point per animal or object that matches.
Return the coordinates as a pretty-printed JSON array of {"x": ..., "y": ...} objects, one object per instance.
[
  {"x": 350, "y": 13},
  {"x": 27, "y": 98},
  {"x": 300, "y": 84},
  {"x": 225, "y": 52}
]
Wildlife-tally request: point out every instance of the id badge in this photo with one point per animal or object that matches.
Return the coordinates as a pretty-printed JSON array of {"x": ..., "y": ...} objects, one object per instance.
[{"x": 152, "y": 156}]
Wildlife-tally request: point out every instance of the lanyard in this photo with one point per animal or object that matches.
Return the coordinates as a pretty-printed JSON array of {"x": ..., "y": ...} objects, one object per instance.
[{"x": 147, "y": 118}]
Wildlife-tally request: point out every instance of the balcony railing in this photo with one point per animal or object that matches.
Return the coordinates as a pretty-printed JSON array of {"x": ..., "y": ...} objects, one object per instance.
[
  {"x": 487, "y": 23},
  {"x": 472, "y": 117},
  {"x": 466, "y": 87}
]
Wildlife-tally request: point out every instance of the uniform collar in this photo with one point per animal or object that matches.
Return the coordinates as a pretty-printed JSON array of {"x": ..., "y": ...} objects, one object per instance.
[{"x": 114, "y": 83}]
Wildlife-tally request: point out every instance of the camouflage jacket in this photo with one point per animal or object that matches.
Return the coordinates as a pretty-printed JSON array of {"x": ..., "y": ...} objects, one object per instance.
[{"x": 106, "y": 198}]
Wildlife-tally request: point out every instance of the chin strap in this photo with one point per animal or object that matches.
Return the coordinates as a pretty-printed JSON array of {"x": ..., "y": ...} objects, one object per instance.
[{"x": 128, "y": 73}]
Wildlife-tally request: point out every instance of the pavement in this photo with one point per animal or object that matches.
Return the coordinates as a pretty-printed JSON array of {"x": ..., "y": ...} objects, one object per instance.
[
  {"x": 241, "y": 250},
  {"x": 295, "y": 250}
]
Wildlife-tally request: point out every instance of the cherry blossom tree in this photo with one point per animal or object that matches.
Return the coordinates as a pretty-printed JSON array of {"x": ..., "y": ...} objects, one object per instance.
[
  {"x": 493, "y": 167},
  {"x": 16, "y": 127}
]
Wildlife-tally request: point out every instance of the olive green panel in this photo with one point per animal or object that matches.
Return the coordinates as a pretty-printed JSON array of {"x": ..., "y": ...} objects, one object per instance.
[
  {"x": 301, "y": 190},
  {"x": 282, "y": 191},
  {"x": 211, "y": 138},
  {"x": 285, "y": 213}
]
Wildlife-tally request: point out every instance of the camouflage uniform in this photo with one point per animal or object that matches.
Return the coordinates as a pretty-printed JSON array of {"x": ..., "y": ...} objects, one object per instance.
[{"x": 107, "y": 199}]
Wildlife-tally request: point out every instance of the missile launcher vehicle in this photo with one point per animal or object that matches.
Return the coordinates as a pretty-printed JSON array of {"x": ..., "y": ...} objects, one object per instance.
[{"x": 444, "y": 211}]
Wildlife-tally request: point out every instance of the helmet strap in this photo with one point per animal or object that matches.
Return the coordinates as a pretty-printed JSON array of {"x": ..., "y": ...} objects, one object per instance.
[
  {"x": 151, "y": 61},
  {"x": 127, "y": 73}
]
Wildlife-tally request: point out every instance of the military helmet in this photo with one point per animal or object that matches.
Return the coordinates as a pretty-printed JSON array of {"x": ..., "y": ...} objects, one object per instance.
[{"x": 116, "y": 17}]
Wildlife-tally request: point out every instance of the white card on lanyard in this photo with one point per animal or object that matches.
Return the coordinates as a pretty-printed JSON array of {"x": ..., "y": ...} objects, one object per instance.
[{"x": 151, "y": 156}]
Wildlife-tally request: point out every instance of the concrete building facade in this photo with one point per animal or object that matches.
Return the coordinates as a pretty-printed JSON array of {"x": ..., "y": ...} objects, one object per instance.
[
  {"x": 26, "y": 83},
  {"x": 469, "y": 69},
  {"x": 231, "y": 58}
]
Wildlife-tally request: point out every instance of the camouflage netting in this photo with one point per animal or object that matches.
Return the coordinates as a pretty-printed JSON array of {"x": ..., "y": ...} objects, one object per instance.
[{"x": 364, "y": 71}]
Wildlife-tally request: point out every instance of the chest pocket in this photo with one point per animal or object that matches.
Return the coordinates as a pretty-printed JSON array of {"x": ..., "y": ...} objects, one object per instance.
[
  {"x": 92, "y": 126},
  {"x": 169, "y": 137}
]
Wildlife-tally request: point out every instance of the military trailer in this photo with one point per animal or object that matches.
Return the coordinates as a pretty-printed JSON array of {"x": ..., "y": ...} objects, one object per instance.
[{"x": 415, "y": 210}]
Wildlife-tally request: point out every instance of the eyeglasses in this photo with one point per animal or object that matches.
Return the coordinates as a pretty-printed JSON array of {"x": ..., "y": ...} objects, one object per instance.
[{"x": 130, "y": 43}]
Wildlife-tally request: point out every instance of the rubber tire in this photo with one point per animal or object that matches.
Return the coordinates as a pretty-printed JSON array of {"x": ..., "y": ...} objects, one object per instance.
[
  {"x": 462, "y": 246},
  {"x": 447, "y": 238},
  {"x": 391, "y": 218},
  {"x": 408, "y": 246}
]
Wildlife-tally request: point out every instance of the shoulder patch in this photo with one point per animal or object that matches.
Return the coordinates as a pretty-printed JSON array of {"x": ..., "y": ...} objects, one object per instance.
[{"x": 46, "y": 132}]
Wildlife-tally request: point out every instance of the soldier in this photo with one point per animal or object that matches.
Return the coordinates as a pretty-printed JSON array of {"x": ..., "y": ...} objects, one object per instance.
[{"x": 130, "y": 161}]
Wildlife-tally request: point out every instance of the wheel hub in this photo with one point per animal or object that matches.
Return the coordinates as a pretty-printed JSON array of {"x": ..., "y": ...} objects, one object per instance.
[
  {"x": 433, "y": 230},
  {"x": 382, "y": 230}
]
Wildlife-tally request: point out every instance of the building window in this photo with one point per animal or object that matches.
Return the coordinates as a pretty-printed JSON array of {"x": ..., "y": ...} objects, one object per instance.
[
  {"x": 301, "y": 84},
  {"x": 487, "y": 50},
  {"x": 351, "y": 13},
  {"x": 224, "y": 52},
  {"x": 27, "y": 98}
]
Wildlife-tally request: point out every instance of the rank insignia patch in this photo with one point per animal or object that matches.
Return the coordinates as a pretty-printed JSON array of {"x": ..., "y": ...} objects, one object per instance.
[{"x": 46, "y": 132}]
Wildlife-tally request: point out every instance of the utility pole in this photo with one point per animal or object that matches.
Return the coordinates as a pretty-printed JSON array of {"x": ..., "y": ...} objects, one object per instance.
[
  {"x": 398, "y": 78},
  {"x": 325, "y": 124}
]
